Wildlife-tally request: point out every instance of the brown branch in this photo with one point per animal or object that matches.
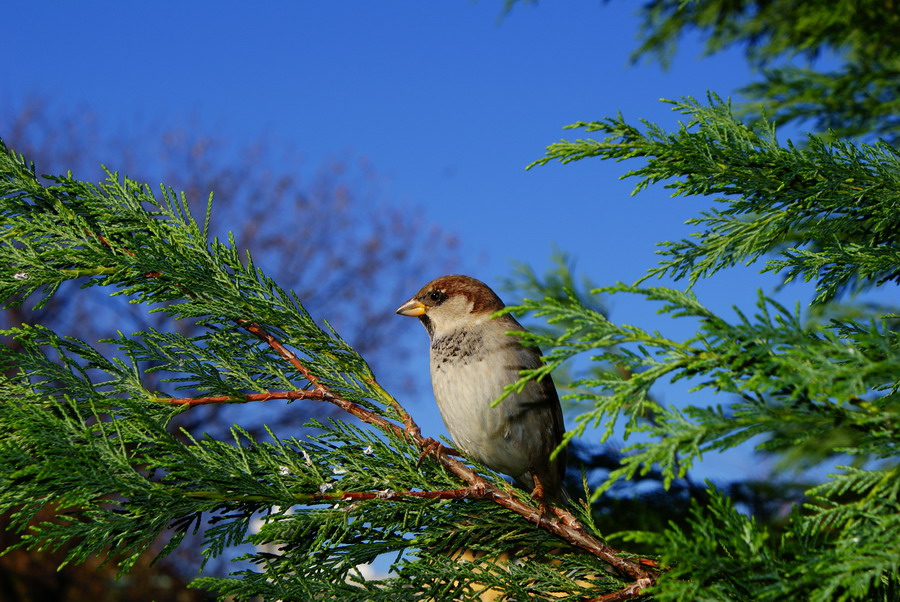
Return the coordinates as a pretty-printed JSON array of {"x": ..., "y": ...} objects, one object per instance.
[
  {"x": 567, "y": 527},
  {"x": 465, "y": 493},
  {"x": 284, "y": 352},
  {"x": 360, "y": 412},
  {"x": 196, "y": 401},
  {"x": 635, "y": 590}
]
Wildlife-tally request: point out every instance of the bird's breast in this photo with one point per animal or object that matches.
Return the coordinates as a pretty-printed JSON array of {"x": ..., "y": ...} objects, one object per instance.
[
  {"x": 460, "y": 346},
  {"x": 468, "y": 374}
]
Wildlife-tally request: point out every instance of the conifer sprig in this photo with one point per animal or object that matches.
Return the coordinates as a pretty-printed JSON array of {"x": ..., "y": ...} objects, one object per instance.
[{"x": 830, "y": 210}]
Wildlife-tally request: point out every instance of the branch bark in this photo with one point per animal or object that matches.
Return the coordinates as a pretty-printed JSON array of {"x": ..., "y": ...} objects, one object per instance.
[{"x": 269, "y": 395}]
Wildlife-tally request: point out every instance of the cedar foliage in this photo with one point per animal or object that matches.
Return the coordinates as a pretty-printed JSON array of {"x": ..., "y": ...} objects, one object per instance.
[{"x": 826, "y": 212}]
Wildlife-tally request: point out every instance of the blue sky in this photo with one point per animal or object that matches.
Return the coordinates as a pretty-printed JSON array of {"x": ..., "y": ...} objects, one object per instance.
[{"x": 446, "y": 101}]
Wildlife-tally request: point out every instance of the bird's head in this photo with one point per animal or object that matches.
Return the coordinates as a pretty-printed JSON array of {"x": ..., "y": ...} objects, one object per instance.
[{"x": 452, "y": 302}]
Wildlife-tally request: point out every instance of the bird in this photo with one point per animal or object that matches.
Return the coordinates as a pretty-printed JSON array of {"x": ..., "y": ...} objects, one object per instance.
[{"x": 473, "y": 358}]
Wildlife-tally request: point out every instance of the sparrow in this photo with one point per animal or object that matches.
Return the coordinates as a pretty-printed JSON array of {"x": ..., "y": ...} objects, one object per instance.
[{"x": 472, "y": 360}]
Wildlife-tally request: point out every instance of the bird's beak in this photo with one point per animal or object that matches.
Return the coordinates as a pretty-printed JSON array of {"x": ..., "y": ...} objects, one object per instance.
[{"x": 411, "y": 308}]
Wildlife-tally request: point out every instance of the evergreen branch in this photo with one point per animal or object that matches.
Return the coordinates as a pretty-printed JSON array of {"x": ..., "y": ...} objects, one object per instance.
[
  {"x": 855, "y": 100},
  {"x": 319, "y": 392},
  {"x": 811, "y": 390},
  {"x": 828, "y": 209},
  {"x": 789, "y": 386}
]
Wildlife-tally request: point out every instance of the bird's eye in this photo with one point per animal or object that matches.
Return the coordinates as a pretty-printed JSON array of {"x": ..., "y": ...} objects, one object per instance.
[{"x": 436, "y": 296}]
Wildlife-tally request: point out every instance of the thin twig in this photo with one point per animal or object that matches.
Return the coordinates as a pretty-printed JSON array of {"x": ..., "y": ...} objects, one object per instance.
[
  {"x": 465, "y": 493},
  {"x": 284, "y": 352},
  {"x": 635, "y": 590},
  {"x": 313, "y": 394}
]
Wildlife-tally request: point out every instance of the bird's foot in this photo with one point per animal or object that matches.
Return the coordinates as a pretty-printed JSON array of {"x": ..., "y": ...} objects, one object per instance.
[
  {"x": 539, "y": 495},
  {"x": 433, "y": 447}
]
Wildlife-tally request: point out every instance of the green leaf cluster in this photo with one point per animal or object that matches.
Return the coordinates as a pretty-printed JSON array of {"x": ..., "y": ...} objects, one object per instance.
[
  {"x": 830, "y": 210},
  {"x": 855, "y": 39},
  {"x": 814, "y": 389}
]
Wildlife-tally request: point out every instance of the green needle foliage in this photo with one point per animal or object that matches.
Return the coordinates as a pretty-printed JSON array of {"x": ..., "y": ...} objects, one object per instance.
[
  {"x": 813, "y": 389},
  {"x": 833, "y": 205},
  {"x": 859, "y": 94}
]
